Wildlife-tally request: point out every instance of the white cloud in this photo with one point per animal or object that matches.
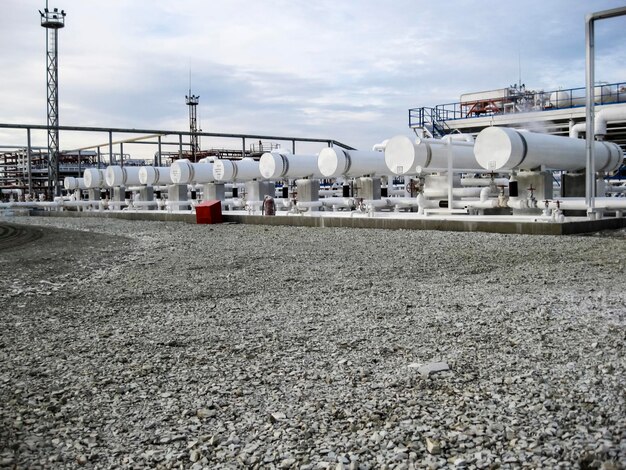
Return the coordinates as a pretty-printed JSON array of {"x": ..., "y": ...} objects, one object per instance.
[{"x": 343, "y": 70}]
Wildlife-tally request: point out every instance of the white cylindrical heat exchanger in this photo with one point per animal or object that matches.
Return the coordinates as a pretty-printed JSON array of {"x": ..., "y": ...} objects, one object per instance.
[
  {"x": 122, "y": 176},
  {"x": 275, "y": 165},
  {"x": 503, "y": 148},
  {"x": 334, "y": 162},
  {"x": 94, "y": 178},
  {"x": 71, "y": 183},
  {"x": 154, "y": 175},
  {"x": 245, "y": 169},
  {"x": 185, "y": 172},
  {"x": 404, "y": 156}
]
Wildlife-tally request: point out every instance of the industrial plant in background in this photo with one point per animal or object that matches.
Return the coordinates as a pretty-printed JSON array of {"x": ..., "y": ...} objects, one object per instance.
[{"x": 480, "y": 157}]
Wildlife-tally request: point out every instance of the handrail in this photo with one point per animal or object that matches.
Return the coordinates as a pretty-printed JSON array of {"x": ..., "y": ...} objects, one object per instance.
[
  {"x": 533, "y": 101},
  {"x": 154, "y": 132}
]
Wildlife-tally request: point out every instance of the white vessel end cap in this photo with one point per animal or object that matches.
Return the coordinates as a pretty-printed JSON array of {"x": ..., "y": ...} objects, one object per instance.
[
  {"x": 331, "y": 162},
  {"x": 271, "y": 165},
  {"x": 400, "y": 155},
  {"x": 498, "y": 148}
]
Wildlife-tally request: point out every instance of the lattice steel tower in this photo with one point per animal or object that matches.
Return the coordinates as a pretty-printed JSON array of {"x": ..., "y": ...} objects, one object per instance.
[
  {"x": 192, "y": 102},
  {"x": 53, "y": 21}
]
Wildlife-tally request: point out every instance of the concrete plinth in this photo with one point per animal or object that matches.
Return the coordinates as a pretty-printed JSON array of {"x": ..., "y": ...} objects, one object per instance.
[
  {"x": 308, "y": 190},
  {"x": 94, "y": 194},
  {"x": 368, "y": 188},
  {"x": 213, "y": 192},
  {"x": 177, "y": 193},
  {"x": 540, "y": 181},
  {"x": 573, "y": 185},
  {"x": 257, "y": 190},
  {"x": 147, "y": 194},
  {"x": 118, "y": 194}
]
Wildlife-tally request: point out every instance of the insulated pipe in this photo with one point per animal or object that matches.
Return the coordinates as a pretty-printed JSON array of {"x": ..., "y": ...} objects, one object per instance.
[
  {"x": 281, "y": 165},
  {"x": 94, "y": 178},
  {"x": 71, "y": 183},
  {"x": 608, "y": 114},
  {"x": 245, "y": 169},
  {"x": 405, "y": 157},
  {"x": 333, "y": 162},
  {"x": 381, "y": 146},
  {"x": 503, "y": 148},
  {"x": 606, "y": 203},
  {"x": 484, "y": 181},
  {"x": 576, "y": 129},
  {"x": 457, "y": 192},
  {"x": 155, "y": 175},
  {"x": 184, "y": 172},
  {"x": 122, "y": 176}
]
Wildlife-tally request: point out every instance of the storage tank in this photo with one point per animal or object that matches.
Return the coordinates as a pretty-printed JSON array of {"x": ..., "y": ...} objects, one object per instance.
[
  {"x": 184, "y": 172},
  {"x": 122, "y": 176},
  {"x": 503, "y": 148},
  {"x": 334, "y": 162},
  {"x": 404, "y": 156},
  {"x": 94, "y": 178},
  {"x": 154, "y": 175},
  {"x": 245, "y": 169},
  {"x": 279, "y": 165},
  {"x": 561, "y": 99}
]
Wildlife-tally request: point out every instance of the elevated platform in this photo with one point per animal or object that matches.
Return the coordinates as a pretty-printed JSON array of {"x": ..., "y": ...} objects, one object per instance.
[{"x": 524, "y": 225}]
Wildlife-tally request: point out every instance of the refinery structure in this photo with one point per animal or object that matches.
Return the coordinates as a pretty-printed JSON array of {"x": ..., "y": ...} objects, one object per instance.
[{"x": 507, "y": 155}]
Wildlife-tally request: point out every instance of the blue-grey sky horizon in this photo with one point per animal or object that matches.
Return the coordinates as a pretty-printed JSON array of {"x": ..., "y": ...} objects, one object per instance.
[{"x": 342, "y": 70}]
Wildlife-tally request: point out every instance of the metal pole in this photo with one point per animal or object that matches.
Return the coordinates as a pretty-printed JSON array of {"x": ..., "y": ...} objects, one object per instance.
[
  {"x": 159, "y": 160},
  {"x": 121, "y": 154},
  {"x": 243, "y": 147},
  {"x": 590, "y": 130},
  {"x": 79, "y": 164},
  {"x": 99, "y": 157},
  {"x": 180, "y": 146},
  {"x": 590, "y": 180},
  {"x": 293, "y": 147},
  {"x": 110, "y": 148},
  {"x": 450, "y": 175},
  {"x": 30, "y": 170}
]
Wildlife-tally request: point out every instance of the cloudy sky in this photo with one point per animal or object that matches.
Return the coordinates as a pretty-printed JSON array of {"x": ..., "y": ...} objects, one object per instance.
[{"x": 346, "y": 70}]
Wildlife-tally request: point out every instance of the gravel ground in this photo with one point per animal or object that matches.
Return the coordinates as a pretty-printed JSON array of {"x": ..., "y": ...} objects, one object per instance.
[{"x": 167, "y": 345}]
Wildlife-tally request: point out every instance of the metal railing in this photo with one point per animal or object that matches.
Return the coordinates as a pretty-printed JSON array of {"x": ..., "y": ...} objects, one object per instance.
[{"x": 527, "y": 101}]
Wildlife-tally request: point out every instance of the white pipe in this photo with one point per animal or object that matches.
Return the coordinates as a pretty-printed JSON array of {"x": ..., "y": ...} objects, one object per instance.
[
  {"x": 457, "y": 192},
  {"x": 184, "y": 172},
  {"x": 503, "y": 148},
  {"x": 280, "y": 165},
  {"x": 381, "y": 146},
  {"x": 154, "y": 175},
  {"x": 576, "y": 129},
  {"x": 245, "y": 169},
  {"x": 405, "y": 157},
  {"x": 458, "y": 138},
  {"x": 606, "y": 115},
  {"x": 334, "y": 162},
  {"x": 145, "y": 203},
  {"x": 122, "y": 176},
  {"x": 484, "y": 181},
  {"x": 606, "y": 203}
]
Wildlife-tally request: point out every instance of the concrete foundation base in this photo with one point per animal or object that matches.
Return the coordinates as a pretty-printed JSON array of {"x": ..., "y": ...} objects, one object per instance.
[
  {"x": 368, "y": 188},
  {"x": 94, "y": 194},
  {"x": 177, "y": 197},
  {"x": 214, "y": 192},
  {"x": 308, "y": 190},
  {"x": 573, "y": 185},
  {"x": 257, "y": 190}
]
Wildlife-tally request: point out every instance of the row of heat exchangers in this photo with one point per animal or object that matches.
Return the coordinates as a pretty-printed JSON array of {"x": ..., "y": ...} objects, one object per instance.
[{"x": 502, "y": 168}]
